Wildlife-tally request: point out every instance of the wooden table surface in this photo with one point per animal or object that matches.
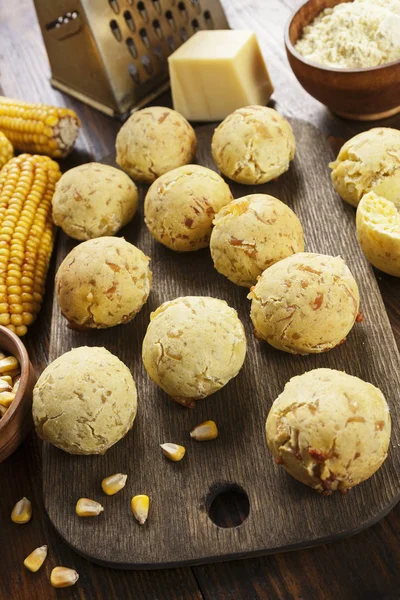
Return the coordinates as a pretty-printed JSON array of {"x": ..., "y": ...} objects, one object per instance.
[{"x": 366, "y": 566}]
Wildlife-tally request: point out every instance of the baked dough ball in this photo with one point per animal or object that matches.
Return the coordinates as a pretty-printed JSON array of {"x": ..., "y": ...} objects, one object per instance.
[
  {"x": 378, "y": 231},
  {"x": 153, "y": 141},
  {"x": 102, "y": 283},
  {"x": 193, "y": 346},
  {"x": 85, "y": 401},
  {"x": 93, "y": 200},
  {"x": 180, "y": 206},
  {"x": 370, "y": 161},
  {"x": 253, "y": 145},
  {"x": 251, "y": 234},
  {"x": 306, "y": 303},
  {"x": 329, "y": 430}
]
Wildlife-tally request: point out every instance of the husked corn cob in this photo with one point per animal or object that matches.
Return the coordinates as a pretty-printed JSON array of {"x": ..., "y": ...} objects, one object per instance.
[
  {"x": 88, "y": 508},
  {"x": 61, "y": 577},
  {"x": 22, "y": 511},
  {"x": 140, "y": 508},
  {"x": 114, "y": 483},
  {"x": 6, "y": 149},
  {"x": 26, "y": 238},
  {"x": 172, "y": 451},
  {"x": 34, "y": 561},
  {"x": 38, "y": 128},
  {"x": 205, "y": 431}
]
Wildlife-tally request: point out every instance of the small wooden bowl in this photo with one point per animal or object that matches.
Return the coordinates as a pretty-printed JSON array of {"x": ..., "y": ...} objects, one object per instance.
[
  {"x": 18, "y": 419},
  {"x": 361, "y": 94}
]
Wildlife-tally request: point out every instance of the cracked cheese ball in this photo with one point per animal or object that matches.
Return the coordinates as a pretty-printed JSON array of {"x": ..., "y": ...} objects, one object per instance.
[
  {"x": 84, "y": 401},
  {"x": 329, "y": 430},
  {"x": 378, "y": 231},
  {"x": 306, "y": 303},
  {"x": 251, "y": 234},
  {"x": 193, "y": 346},
  {"x": 180, "y": 206},
  {"x": 253, "y": 145},
  {"x": 370, "y": 161},
  {"x": 154, "y": 140},
  {"x": 102, "y": 283},
  {"x": 93, "y": 200}
]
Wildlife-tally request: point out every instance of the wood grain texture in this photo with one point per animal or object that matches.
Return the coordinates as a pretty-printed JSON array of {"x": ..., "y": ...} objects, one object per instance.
[{"x": 283, "y": 514}]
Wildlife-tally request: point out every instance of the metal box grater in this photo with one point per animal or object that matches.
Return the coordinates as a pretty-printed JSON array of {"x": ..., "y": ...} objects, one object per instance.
[{"x": 112, "y": 54}]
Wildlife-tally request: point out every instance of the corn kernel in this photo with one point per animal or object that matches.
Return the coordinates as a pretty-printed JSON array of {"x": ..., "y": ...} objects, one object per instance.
[
  {"x": 34, "y": 561},
  {"x": 114, "y": 483},
  {"x": 140, "y": 507},
  {"x": 173, "y": 451},
  {"x": 22, "y": 511},
  {"x": 4, "y": 386},
  {"x": 6, "y": 398},
  {"x": 62, "y": 577},
  {"x": 205, "y": 431},
  {"x": 8, "y": 364},
  {"x": 88, "y": 508},
  {"x": 7, "y": 378}
]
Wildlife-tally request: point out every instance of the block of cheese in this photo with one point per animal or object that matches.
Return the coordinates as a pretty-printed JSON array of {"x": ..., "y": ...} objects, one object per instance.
[{"x": 215, "y": 72}]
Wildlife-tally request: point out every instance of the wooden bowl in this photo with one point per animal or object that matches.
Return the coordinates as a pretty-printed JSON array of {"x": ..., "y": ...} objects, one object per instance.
[
  {"x": 18, "y": 419},
  {"x": 361, "y": 94}
]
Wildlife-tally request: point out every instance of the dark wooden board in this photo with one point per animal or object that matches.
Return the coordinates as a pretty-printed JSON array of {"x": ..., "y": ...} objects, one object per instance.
[{"x": 283, "y": 513}]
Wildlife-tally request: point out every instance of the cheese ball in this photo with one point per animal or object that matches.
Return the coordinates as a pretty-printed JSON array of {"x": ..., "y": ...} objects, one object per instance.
[
  {"x": 251, "y": 234},
  {"x": 370, "y": 161},
  {"x": 102, "y": 283},
  {"x": 305, "y": 304},
  {"x": 253, "y": 145},
  {"x": 93, "y": 200},
  {"x": 180, "y": 206},
  {"x": 193, "y": 346},
  {"x": 85, "y": 401},
  {"x": 329, "y": 430},
  {"x": 153, "y": 141},
  {"x": 378, "y": 231}
]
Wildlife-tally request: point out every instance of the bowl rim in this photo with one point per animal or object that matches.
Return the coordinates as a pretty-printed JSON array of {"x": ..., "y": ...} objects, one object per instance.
[
  {"x": 24, "y": 361},
  {"x": 290, "y": 47}
]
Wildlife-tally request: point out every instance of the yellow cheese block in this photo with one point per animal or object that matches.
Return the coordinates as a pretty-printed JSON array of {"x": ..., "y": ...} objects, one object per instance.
[{"x": 215, "y": 72}]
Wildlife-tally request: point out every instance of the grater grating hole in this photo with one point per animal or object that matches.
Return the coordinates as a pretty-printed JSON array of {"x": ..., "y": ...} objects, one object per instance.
[
  {"x": 114, "y": 5},
  {"x": 170, "y": 18},
  {"x": 116, "y": 30},
  {"x": 208, "y": 19},
  {"x": 195, "y": 25},
  {"x": 171, "y": 43},
  {"x": 196, "y": 5},
  {"x": 129, "y": 20},
  {"x": 131, "y": 47},
  {"x": 146, "y": 62},
  {"x": 145, "y": 37},
  {"x": 183, "y": 34},
  {"x": 143, "y": 11},
  {"x": 157, "y": 6},
  {"x": 134, "y": 73},
  {"x": 183, "y": 11},
  {"x": 157, "y": 28},
  {"x": 159, "y": 53}
]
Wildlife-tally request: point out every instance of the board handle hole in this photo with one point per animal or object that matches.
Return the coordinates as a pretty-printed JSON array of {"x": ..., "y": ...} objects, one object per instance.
[{"x": 227, "y": 505}]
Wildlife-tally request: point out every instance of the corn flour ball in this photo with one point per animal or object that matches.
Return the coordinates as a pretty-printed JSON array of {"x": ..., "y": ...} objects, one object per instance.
[
  {"x": 154, "y": 140},
  {"x": 251, "y": 234},
  {"x": 369, "y": 161},
  {"x": 180, "y": 206},
  {"x": 253, "y": 145},
  {"x": 93, "y": 200},
  {"x": 306, "y": 303},
  {"x": 378, "y": 231},
  {"x": 102, "y": 283},
  {"x": 193, "y": 346},
  {"x": 84, "y": 401},
  {"x": 329, "y": 430}
]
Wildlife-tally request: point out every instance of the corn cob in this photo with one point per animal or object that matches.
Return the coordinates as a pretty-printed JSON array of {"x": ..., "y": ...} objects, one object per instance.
[
  {"x": 39, "y": 128},
  {"x": 26, "y": 237},
  {"x": 6, "y": 150}
]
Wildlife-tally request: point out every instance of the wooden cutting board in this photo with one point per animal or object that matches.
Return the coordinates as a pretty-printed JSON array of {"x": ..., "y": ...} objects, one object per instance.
[{"x": 284, "y": 514}]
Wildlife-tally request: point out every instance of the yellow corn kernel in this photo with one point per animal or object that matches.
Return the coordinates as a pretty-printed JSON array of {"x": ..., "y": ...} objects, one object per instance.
[
  {"x": 34, "y": 561},
  {"x": 7, "y": 379},
  {"x": 205, "y": 431},
  {"x": 22, "y": 511},
  {"x": 8, "y": 364},
  {"x": 114, "y": 483},
  {"x": 15, "y": 373},
  {"x": 16, "y": 383},
  {"x": 6, "y": 150},
  {"x": 3, "y": 411},
  {"x": 4, "y": 386},
  {"x": 173, "y": 451},
  {"x": 6, "y": 398},
  {"x": 88, "y": 508},
  {"x": 38, "y": 127},
  {"x": 62, "y": 577},
  {"x": 140, "y": 508}
]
